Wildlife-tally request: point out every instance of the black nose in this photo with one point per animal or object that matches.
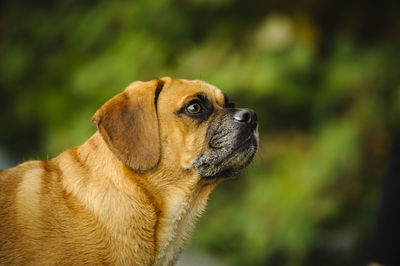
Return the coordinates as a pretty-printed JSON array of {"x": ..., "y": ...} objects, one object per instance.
[{"x": 246, "y": 116}]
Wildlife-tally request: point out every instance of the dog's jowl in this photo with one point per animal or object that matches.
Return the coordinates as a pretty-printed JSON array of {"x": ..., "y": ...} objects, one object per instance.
[{"x": 131, "y": 194}]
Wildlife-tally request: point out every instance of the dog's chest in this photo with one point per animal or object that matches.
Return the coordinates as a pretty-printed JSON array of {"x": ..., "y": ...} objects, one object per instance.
[{"x": 177, "y": 224}]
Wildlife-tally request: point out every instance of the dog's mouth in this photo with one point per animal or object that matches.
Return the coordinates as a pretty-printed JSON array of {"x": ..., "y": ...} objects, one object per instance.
[
  {"x": 232, "y": 143},
  {"x": 227, "y": 160},
  {"x": 234, "y": 169}
]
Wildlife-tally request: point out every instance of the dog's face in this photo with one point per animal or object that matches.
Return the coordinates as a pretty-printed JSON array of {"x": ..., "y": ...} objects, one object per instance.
[{"x": 168, "y": 123}]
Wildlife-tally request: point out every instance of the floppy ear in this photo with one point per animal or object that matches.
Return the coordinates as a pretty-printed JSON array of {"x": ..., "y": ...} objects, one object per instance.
[{"x": 128, "y": 124}]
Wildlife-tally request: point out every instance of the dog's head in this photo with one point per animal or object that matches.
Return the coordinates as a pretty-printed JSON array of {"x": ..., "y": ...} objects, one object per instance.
[{"x": 170, "y": 123}]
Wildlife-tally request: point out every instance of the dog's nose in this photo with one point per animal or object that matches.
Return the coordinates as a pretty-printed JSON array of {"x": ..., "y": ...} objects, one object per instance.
[{"x": 246, "y": 116}]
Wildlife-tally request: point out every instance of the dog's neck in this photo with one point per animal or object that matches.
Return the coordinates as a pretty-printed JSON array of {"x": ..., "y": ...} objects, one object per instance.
[
  {"x": 172, "y": 207},
  {"x": 160, "y": 183}
]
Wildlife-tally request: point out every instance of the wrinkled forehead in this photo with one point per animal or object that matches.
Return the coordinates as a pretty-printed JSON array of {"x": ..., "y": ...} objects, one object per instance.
[{"x": 185, "y": 89}]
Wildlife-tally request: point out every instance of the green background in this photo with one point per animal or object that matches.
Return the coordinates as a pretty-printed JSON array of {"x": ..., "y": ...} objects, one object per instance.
[{"x": 323, "y": 77}]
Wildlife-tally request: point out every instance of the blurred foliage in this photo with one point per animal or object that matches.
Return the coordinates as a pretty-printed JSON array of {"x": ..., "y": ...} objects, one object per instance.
[{"x": 323, "y": 77}]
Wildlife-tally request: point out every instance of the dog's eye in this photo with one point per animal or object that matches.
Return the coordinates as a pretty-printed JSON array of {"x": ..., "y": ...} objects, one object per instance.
[
  {"x": 199, "y": 108},
  {"x": 194, "y": 108}
]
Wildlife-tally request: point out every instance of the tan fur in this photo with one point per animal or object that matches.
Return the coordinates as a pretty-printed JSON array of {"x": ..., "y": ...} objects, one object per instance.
[{"x": 94, "y": 204}]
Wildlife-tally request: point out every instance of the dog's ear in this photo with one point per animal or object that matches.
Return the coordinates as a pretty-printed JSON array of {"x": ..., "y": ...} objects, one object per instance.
[{"x": 128, "y": 124}]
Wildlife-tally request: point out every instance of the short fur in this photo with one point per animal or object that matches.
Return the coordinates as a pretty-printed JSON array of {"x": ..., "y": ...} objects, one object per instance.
[{"x": 130, "y": 195}]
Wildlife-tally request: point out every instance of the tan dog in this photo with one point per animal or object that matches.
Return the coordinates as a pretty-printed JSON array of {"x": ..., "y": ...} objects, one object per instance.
[{"x": 130, "y": 195}]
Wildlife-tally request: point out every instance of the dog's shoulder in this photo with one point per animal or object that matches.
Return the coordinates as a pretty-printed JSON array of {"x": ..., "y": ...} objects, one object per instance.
[{"x": 11, "y": 178}]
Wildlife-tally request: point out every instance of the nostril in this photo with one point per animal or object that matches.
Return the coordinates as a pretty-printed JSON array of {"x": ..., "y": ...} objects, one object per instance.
[
  {"x": 254, "y": 117},
  {"x": 242, "y": 116}
]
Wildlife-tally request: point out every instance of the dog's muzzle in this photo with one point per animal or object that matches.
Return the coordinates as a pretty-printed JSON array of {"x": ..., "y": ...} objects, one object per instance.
[{"x": 233, "y": 141}]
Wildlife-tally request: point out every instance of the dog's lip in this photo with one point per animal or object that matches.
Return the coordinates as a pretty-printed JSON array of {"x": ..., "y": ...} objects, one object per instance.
[
  {"x": 243, "y": 144},
  {"x": 229, "y": 171},
  {"x": 251, "y": 135}
]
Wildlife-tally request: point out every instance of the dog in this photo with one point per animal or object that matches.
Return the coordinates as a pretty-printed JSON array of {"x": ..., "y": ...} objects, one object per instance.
[{"x": 131, "y": 194}]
